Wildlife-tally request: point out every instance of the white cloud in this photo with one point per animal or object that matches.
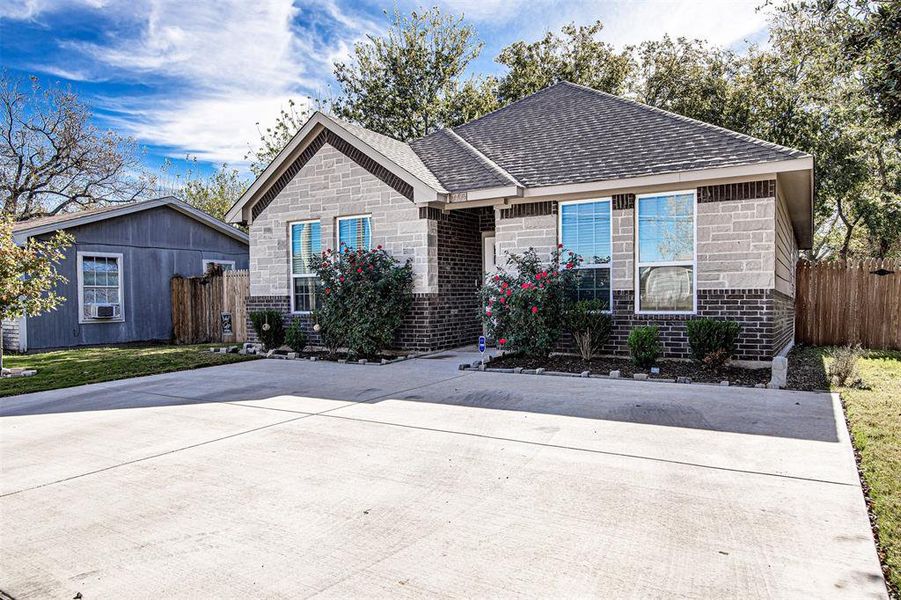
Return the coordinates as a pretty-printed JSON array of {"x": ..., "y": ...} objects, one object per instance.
[
  {"x": 722, "y": 22},
  {"x": 215, "y": 129},
  {"x": 216, "y": 68},
  {"x": 29, "y": 9}
]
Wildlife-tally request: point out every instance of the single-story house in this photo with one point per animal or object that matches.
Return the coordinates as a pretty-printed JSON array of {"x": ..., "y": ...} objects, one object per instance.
[
  {"x": 119, "y": 270},
  {"x": 675, "y": 218}
]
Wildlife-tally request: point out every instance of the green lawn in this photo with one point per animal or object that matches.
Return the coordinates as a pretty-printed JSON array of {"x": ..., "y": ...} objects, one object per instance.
[
  {"x": 67, "y": 368},
  {"x": 874, "y": 415}
]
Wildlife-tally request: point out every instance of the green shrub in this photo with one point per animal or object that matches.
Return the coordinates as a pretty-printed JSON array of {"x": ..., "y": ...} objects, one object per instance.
[
  {"x": 296, "y": 336},
  {"x": 589, "y": 326},
  {"x": 644, "y": 345},
  {"x": 365, "y": 296},
  {"x": 712, "y": 341},
  {"x": 269, "y": 328},
  {"x": 524, "y": 308}
]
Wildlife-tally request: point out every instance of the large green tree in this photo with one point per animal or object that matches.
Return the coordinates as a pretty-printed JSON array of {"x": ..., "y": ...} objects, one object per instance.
[
  {"x": 576, "y": 55},
  {"x": 406, "y": 83}
]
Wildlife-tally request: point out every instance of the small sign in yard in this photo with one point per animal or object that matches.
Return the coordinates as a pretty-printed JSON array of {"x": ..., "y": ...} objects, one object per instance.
[
  {"x": 482, "y": 344},
  {"x": 226, "y": 324}
]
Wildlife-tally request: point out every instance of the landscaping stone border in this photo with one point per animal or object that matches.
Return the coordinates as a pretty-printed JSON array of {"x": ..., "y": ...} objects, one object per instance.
[
  {"x": 257, "y": 349},
  {"x": 480, "y": 366}
]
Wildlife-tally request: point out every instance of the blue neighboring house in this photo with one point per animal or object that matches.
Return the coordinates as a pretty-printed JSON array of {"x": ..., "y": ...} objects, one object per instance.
[{"x": 119, "y": 269}]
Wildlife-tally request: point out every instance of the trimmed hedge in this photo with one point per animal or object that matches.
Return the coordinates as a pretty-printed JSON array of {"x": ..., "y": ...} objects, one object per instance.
[{"x": 711, "y": 341}]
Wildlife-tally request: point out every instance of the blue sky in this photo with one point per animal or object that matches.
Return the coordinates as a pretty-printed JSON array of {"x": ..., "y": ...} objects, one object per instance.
[{"x": 195, "y": 76}]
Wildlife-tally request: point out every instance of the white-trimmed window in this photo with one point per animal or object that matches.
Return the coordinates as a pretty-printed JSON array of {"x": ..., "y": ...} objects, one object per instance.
[
  {"x": 665, "y": 271},
  {"x": 354, "y": 232},
  {"x": 227, "y": 265},
  {"x": 305, "y": 241},
  {"x": 585, "y": 229},
  {"x": 100, "y": 287}
]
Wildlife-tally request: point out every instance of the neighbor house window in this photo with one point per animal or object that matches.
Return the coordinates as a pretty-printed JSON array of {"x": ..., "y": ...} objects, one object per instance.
[
  {"x": 306, "y": 241},
  {"x": 226, "y": 265},
  {"x": 585, "y": 230},
  {"x": 100, "y": 287},
  {"x": 666, "y": 252},
  {"x": 354, "y": 233}
]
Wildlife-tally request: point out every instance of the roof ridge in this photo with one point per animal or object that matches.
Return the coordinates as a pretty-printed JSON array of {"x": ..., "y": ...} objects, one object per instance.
[
  {"x": 677, "y": 116},
  {"x": 506, "y": 106},
  {"x": 480, "y": 156}
]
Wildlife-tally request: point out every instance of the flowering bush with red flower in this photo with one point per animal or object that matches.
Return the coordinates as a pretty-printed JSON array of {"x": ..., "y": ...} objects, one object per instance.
[
  {"x": 524, "y": 305},
  {"x": 365, "y": 296}
]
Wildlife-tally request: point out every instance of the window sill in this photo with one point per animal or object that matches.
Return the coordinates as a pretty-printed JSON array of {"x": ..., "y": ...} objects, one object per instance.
[{"x": 99, "y": 321}]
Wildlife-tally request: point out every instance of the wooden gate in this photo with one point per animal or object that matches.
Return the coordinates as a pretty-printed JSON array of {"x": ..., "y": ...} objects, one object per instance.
[
  {"x": 204, "y": 309},
  {"x": 854, "y": 302}
]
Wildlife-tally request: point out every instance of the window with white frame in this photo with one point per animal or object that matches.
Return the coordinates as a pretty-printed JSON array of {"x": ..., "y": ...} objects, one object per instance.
[
  {"x": 585, "y": 230},
  {"x": 226, "y": 265},
  {"x": 305, "y": 242},
  {"x": 100, "y": 290},
  {"x": 665, "y": 269},
  {"x": 354, "y": 233}
]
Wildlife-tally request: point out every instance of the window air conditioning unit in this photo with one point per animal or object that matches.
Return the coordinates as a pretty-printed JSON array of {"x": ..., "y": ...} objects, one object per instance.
[{"x": 104, "y": 311}]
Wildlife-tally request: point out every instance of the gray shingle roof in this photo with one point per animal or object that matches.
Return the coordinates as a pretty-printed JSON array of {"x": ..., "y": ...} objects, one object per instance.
[
  {"x": 568, "y": 133},
  {"x": 457, "y": 166},
  {"x": 399, "y": 152}
]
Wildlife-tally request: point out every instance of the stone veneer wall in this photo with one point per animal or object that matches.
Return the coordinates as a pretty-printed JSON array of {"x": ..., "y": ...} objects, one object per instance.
[
  {"x": 331, "y": 185},
  {"x": 736, "y": 264}
]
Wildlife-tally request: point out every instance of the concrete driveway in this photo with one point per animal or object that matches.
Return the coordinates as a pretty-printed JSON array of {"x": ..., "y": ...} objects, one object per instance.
[{"x": 290, "y": 479}]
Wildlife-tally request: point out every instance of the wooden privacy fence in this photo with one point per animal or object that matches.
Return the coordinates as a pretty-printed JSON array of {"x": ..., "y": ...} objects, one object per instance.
[
  {"x": 855, "y": 302},
  {"x": 211, "y": 308}
]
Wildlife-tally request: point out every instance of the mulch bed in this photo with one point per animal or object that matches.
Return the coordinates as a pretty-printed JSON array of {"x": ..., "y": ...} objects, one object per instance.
[
  {"x": 805, "y": 370},
  {"x": 669, "y": 369},
  {"x": 324, "y": 355}
]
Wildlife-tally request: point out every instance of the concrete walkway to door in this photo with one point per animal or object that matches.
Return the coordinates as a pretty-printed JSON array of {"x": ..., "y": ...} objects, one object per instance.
[{"x": 282, "y": 479}]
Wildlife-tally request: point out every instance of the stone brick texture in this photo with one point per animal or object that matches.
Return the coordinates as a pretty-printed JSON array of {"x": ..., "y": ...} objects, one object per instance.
[
  {"x": 736, "y": 255},
  {"x": 755, "y": 310},
  {"x": 331, "y": 185}
]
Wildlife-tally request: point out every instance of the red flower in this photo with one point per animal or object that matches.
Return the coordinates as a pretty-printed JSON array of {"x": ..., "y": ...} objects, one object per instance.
[
  {"x": 341, "y": 279},
  {"x": 497, "y": 277},
  {"x": 560, "y": 246},
  {"x": 328, "y": 290},
  {"x": 534, "y": 310},
  {"x": 525, "y": 285},
  {"x": 509, "y": 292},
  {"x": 379, "y": 247},
  {"x": 504, "y": 285},
  {"x": 569, "y": 265},
  {"x": 502, "y": 341},
  {"x": 488, "y": 313},
  {"x": 502, "y": 300},
  {"x": 359, "y": 269}
]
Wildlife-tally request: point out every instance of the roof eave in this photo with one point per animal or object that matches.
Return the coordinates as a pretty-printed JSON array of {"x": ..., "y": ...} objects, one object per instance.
[
  {"x": 239, "y": 212},
  {"x": 22, "y": 235}
]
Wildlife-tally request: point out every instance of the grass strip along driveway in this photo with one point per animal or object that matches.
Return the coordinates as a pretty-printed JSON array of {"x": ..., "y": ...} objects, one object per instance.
[
  {"x": 67, "y": 368},
  {"x": 873, "y": 410}
]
